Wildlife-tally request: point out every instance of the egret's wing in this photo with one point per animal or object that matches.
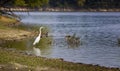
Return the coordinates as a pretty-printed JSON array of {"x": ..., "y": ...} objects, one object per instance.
[{"x": 36, "y": 40}]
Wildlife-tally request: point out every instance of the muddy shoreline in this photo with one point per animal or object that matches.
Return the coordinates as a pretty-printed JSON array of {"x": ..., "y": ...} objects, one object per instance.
[{"x": 24, "y": 9}]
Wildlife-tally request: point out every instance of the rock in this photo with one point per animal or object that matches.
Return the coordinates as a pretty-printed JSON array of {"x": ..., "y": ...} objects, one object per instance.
[
  {"x": 72, "y": 40},
  {"x": 118, "y": 40}
]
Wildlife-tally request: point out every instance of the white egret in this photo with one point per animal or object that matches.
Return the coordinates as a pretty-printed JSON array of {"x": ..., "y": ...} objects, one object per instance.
[
  {"x": 38, "y": 37},
  {"x": 36, "y": 51}
]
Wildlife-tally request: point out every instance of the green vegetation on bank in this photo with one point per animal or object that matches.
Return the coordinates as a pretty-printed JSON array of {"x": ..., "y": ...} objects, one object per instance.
[
  {"x": 57, "y": 64},
  {"x": 4, "y": 20}
]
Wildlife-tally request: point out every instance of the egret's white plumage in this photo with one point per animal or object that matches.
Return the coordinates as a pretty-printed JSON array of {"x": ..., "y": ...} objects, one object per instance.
[
  {"x": 36, "y": 51},
  {"x": 38, "y": 37}
]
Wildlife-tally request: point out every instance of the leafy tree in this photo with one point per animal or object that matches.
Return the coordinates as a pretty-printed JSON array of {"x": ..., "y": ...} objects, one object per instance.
[
  {"x": 4, "y": 3},
  {"x": 61, "y": 3},
  {"x": 36, "y": 3},
  {"x": 80, "y": 2},
  {"x": 19, "y": 3}
]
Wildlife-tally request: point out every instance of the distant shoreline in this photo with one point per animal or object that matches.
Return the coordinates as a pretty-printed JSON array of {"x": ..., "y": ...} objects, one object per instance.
[{"x": 18, "y": 9}]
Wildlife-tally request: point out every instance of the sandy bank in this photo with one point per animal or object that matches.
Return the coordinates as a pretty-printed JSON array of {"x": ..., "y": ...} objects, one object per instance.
[{"x": 9, "y": 33}]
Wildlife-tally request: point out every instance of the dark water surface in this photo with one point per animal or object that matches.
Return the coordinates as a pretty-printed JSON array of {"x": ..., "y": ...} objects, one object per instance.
[{"x": 98, "y": 32}]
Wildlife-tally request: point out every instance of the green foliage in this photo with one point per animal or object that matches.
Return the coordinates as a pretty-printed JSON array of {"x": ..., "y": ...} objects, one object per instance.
[
  {"x": 80, "y": 2},
  {"x": 62, "y": 3},
  {"x": 67, "y": 3},
  {"x": 19, "y": 3},
  {"x": 36, "y": 3},
  {"x": 102, "y": 3},
  {"x": 33, "y": 3}
]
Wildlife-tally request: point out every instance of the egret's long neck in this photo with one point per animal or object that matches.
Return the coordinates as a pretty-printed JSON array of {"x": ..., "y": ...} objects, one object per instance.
[{"x": 40, "y": 33}]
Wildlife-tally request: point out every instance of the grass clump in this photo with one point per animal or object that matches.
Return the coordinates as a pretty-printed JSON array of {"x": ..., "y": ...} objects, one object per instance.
[{"x": 6, "y": 20}]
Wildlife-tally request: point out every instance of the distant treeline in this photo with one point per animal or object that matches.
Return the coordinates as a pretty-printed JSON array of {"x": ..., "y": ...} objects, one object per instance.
[
  {"x": 85, "y": 3},
  {"x": 75, "y": 4},
  {"x": 102, "y": 4}
]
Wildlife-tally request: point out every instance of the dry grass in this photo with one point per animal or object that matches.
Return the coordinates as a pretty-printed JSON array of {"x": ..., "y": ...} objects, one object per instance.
[
  {"x": 9, "y": 33},
  {"x": 6, "y": 20}
]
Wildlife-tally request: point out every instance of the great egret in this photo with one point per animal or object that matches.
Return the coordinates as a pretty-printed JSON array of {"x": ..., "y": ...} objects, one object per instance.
[
  {"x": 36, "y": 51},
  {"x": 38, "y": 37}
]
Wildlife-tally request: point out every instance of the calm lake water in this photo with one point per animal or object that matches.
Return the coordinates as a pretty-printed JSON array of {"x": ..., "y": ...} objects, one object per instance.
[{"x": 98, "y": 32}]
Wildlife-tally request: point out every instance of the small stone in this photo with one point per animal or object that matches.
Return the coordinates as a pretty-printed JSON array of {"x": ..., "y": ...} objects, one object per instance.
[{"x": 16, "y": 68}]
